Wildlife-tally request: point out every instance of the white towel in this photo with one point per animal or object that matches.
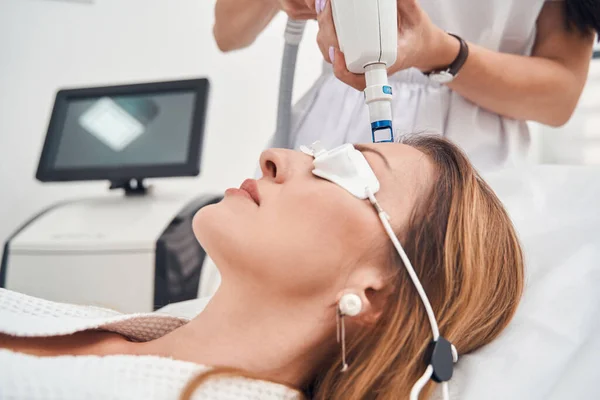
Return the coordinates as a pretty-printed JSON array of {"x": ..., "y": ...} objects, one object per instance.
[{"x": 109, "y": 377}]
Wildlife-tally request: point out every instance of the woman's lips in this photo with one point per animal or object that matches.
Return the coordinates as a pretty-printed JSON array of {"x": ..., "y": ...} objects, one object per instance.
[
  {"x": 251, "y": 187},
  {"x": 238, "y": 192},
  {"x": 248, "y": 189}
]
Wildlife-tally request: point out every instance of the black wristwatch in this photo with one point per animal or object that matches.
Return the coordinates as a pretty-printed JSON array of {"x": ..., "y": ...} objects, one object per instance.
[{"x": 448, "y": 74}]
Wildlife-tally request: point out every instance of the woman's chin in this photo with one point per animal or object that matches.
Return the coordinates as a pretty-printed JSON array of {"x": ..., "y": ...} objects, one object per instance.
[
  {"x": 204, "y": 222},
  {"x": 212, "y": 226}
]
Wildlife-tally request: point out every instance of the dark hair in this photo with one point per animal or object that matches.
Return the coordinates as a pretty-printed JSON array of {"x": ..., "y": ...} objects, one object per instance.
[{"x": 583, "y": 15}]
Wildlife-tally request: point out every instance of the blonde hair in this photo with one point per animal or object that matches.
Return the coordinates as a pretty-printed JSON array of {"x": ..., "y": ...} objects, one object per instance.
[{"x": 466, "y": 253}]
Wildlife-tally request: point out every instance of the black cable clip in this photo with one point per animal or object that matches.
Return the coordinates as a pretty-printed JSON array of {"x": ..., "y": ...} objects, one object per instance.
[{"x": 442, "y": 355}]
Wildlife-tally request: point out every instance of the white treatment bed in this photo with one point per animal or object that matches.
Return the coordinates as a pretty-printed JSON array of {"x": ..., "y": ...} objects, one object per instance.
[{"x": 550, "y": 351}]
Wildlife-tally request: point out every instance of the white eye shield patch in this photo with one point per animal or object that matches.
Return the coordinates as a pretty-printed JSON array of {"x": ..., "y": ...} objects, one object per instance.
[{"x": 348, "y": 168}]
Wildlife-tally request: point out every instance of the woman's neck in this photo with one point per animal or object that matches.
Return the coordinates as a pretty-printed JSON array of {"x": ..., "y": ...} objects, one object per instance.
[{"x": 255, "y": 331}]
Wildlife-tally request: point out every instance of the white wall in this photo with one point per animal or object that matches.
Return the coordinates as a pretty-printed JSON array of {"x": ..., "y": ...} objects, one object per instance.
[
  {"x": 46, "y": 45},
  {"x": 577, "y": 142}
]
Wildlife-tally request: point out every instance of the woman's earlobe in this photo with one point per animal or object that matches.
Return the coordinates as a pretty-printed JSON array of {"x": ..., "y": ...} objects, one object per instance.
[
  {"x": 370, "y": 313},
  {"x": 369, "y": 284},
  {"x": 369, "y": 318},
  {"x": 362, "y": 309}
]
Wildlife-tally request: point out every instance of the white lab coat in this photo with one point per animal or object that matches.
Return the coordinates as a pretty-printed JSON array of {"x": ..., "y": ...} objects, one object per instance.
[{"x": 335, "y": 113}]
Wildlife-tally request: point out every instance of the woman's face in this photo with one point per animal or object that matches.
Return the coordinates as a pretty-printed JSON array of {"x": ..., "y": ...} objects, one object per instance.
[{"x": 294, "y": 232}]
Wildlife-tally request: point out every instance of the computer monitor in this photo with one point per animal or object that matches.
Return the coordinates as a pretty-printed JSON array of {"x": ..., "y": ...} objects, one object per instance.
[{"x": 125, "y": 132}]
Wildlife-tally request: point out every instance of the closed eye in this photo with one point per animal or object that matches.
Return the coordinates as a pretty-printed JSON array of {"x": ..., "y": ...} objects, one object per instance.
[{"x": 364, "y": 149}]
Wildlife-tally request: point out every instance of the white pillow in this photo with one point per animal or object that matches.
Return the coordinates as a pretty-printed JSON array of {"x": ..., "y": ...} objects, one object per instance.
[{"x": 550, "y": 350}]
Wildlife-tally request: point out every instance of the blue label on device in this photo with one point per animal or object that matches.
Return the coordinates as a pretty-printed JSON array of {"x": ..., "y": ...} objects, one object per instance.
[
  {"x": 381, "y": 131},
  {"x": 387, "y": 89},
  {"x": 383, "y": 124}
]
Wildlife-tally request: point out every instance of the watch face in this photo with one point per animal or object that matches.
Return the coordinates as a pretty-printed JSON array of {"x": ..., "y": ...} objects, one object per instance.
[{"x": 441, "y": 77}]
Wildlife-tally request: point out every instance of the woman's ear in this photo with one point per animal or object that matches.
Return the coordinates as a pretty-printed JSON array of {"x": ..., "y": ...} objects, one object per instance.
[{"x": 369, "y": 284}]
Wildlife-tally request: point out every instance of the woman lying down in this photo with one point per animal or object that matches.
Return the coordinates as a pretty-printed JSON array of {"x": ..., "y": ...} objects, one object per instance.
[{"x": 318, "y": 298}]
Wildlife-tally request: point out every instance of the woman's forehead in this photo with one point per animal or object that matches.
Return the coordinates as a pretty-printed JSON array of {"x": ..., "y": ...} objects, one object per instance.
[
  {"x": 398, "y": 159},
  {"x": 400, "y": 167}
]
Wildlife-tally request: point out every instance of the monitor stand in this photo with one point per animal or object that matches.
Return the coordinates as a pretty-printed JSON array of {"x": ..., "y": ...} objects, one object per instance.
[{"x": 132, "y": 187}]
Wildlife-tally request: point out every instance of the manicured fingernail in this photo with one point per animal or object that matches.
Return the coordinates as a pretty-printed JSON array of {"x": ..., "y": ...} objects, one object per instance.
[
  {"x": 321, "y": 6},
  {"x": 317, "y": 5},
  {"x": 332, "y": 54}
]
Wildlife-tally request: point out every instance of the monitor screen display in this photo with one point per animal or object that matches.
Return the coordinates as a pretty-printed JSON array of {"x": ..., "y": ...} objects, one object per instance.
[{"x": 126, "y": 131}]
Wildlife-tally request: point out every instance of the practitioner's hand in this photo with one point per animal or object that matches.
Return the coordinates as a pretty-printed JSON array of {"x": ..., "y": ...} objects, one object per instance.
[
  {"x": 296, "y": 9},
  {"x": 421, "y": 44},
  {"x": 326, "y": 37}
]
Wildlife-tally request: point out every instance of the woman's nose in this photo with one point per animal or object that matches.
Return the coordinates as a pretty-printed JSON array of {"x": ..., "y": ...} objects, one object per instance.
[{"x": 274, "y": 165}]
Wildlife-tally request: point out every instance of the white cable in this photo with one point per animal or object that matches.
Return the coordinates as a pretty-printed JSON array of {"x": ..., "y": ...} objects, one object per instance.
[
  {"x": 409, "y": 268},
  {"x": 454, "y": 354},
  {"x": 293, "y": 31},
  {"x": 385, "y": 220},
  {"x": 293, "y": 35},
  {"x": 445, "y": 391},
  {"x": 420, "y": 384}
]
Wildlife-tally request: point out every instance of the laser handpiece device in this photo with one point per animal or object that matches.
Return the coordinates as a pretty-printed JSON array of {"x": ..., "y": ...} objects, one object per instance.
[{"x": 367, "y": 33}]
